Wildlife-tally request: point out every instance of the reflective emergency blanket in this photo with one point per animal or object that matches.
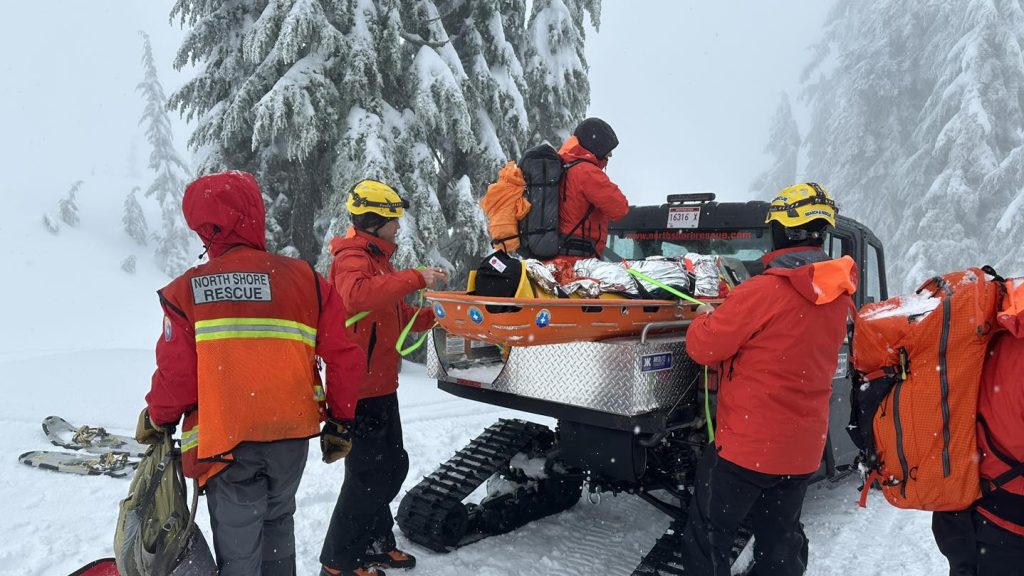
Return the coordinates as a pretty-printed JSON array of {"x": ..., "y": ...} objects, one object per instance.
[
  {"x": 705, "y": 273},
  {"x": 694, "y": 274}
]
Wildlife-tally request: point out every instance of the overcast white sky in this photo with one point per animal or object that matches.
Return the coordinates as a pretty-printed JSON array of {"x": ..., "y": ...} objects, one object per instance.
[
  {"x": 68, "y": 106},
  {"x": 689, "y": 85}
]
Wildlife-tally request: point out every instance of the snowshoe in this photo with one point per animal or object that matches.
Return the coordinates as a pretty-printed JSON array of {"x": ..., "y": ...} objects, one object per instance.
[
  {"x": 116, "y": 465},
  {"x": 95, "y": 440}
]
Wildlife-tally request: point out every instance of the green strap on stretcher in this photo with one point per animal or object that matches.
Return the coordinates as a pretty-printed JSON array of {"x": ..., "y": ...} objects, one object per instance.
[
  {"x": 408, "y": 328},
  {"x": 678, "y": 294},
  {"x": 664, "y": 287}
]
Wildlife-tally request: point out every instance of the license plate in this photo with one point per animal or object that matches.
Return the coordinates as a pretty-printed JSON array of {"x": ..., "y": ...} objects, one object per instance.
[{"x": 683, "y": 217}]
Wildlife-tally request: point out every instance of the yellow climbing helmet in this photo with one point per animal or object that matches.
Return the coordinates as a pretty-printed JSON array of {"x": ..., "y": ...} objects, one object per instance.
[
  {"x": 376, "y": 197},
  {"x": 801, "y": 203}
]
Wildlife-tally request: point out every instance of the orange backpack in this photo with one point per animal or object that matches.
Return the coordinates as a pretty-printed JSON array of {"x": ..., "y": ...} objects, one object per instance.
[
  {"x": 504, "y": 205},
  {"x": 919, "y": 360}
]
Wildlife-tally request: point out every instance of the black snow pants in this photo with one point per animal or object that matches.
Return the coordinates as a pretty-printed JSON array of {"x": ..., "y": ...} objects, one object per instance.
[
  {"x": 374, "y": 472},
  {"x": 725, "y": 494},
  {"x": 252, "y": 508},
  {"x": 974, "y": 546}
]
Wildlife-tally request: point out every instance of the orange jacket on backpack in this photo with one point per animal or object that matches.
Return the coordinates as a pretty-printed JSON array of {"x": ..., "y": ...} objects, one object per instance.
[
  {"x": 504, "y": 206},
  {"x": 775, "y": 342},
  {"x": 924, "y": 430}
]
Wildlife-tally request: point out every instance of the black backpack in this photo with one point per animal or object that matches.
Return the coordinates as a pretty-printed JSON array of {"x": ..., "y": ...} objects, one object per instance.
[
  {"x": 498, "y": 275},
  {"x": 539, "y": 236}
]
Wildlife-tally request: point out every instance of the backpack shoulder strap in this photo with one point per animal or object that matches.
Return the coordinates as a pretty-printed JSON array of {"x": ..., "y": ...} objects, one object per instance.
[
  {"x": 590, "y": 209},
  {"x": 1016, "y": 468}
]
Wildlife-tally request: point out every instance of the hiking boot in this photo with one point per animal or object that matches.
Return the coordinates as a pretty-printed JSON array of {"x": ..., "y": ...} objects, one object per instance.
[
  {"x": 393, "y": 558},
  {"x": 359, "y": 571}
]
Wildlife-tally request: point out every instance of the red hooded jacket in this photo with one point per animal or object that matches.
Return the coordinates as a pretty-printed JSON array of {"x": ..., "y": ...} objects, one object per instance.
[
  {"x": 1001, "y": 408},
  {"x": 362, "y": 274},
  {"x": 775, "y": 341},
  {"x": 586, "y": 185},
  {"x": 227, "y": 212}
]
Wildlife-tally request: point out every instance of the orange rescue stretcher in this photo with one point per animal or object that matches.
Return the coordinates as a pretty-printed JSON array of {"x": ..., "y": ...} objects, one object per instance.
[{"x": 534, "y": 317}]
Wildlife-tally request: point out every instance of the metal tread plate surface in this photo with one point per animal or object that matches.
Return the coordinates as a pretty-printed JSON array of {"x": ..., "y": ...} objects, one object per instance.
[{"x": 619, "y": 376}]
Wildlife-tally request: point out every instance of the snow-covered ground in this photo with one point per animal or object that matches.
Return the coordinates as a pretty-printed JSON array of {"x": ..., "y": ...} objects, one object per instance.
[{"x": 77, "y": 342}]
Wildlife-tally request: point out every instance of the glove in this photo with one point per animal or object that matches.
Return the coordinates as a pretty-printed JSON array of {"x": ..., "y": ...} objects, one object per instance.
[
  {"x": 146, "y": 432},
  {"x": 705, "y": 308},
  {"x": 335, "y": 440}
]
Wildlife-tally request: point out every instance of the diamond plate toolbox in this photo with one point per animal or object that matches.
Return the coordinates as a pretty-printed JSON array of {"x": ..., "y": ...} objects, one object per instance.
[{"x": 619, "y": 376}]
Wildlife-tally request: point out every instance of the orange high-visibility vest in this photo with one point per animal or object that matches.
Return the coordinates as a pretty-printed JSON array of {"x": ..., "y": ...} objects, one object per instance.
[{"x": 255, "y": 316}]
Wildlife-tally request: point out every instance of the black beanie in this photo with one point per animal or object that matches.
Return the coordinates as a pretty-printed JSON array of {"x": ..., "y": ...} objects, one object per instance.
[{"x": 596, "y": 136}]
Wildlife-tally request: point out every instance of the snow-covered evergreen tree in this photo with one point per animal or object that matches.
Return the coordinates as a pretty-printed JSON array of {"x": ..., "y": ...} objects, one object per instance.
[
  {"x": 67, "y": 208},
  {"x": 918, "y": 128},
  {"x": 266, "y": 98},
  {"x": 784, "y": 146},
  {"x": 970, "y": 126},
  {"x": 133, "y": 219},
  {"x": 555, "y": 66},
  {"x": 429, "y": 96},
  {"x": 864, "y": 90},
  {"x": 174, "y": 240},
  {"x": 128, "y": 264},
  {"x": 52, "y": 223}
]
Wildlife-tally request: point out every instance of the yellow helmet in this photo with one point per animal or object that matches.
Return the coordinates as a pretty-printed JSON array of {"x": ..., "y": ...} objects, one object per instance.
[
  {"x": 802, "y": 203},
  {"x": 376, "y": 197}
]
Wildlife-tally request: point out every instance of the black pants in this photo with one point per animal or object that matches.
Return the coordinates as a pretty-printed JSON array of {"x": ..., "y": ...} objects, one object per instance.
[
  {"x": 374, "y": 472},
  {"x": 726, "y": 494},
  {"x": 976, "y": 547},
  {"x": 252, "y": 508}
]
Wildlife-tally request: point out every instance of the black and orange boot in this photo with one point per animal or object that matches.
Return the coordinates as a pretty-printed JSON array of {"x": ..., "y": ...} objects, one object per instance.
[
  {"x": 360, "y": 571},
  {"x": 393, "y": 558}
]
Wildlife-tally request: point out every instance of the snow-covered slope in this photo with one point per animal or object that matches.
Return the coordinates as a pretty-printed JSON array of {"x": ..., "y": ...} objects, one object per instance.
[{"x": 78, "y": 342}]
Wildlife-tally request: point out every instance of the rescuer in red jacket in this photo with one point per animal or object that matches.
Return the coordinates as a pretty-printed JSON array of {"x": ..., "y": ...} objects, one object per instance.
[
  {"x": 360, "y": 536},
  {"x": 775, "y": 344},
  {"x": 988, "y": 540},
  {"x": 590, "y": 199},
  {"x": 238, "y": 358}
]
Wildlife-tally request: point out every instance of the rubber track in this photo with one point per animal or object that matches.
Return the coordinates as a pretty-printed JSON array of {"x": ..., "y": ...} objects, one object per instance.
[
  {"x": 666, "y": 557},
  {"x": 424, "y": 509}
]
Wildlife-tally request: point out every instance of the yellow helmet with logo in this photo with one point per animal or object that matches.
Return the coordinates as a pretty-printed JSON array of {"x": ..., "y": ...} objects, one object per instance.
[
  {"x": 801, "y": 203},
  {"x": 371, "y": 196}
]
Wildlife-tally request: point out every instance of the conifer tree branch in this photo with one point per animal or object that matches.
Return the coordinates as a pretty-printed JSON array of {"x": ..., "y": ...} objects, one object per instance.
[{"x": 420, "y": 41}]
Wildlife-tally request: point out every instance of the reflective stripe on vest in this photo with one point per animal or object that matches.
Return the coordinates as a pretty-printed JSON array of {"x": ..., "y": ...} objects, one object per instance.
[
  {"x": 222, "y": 328},
  {"x": 190, "y": 439}
]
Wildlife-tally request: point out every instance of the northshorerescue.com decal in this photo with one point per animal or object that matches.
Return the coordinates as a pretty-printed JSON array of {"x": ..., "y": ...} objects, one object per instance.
[
  {"x": 656, "y": 362},
  {"x": 231, "y": 287}
]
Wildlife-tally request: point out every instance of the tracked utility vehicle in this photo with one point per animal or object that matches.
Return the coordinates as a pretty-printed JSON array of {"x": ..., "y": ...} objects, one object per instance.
[{"x": 630, "y": 409}]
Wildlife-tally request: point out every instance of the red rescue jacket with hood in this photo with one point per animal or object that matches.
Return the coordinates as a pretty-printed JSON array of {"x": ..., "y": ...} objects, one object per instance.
[
  {"x": 775, "y": 342},
  {"x": 1001, "y": 423},
  {"x": 241, "y": 336},
  {"x": 586, "y": 185},
  {"x": 364, "y": 278}
]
